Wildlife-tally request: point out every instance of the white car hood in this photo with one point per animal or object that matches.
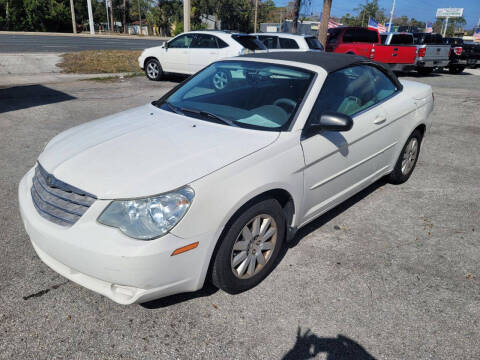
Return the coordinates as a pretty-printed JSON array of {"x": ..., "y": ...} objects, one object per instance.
[{"x": 146, "y": 151}]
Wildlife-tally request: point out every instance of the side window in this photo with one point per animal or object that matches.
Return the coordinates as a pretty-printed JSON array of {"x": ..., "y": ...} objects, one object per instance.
[
  {"x": 269, "y": 41},
  {"x": 288, "y": 43},
  {"x": 221, "y": 44},
  {"x": 349, "y": 36},
  {"x": 384, "y": 87},
  {"x": 204, "y": 41},
  {"x": 182, "y": 41},
  {"x": 383, "y": 39},
  {"x": 353, "y": 89}
]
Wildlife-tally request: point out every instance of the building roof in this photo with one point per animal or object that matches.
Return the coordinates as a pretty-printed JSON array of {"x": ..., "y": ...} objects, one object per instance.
[{"x": 329, "y": 61}]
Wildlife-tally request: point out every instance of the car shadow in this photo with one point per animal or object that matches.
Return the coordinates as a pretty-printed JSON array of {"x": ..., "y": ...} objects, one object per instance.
[
  {"x": 26, "y": 96},
  {"x": 308, "y": 345},
  {"x": 207, "y": 290}
]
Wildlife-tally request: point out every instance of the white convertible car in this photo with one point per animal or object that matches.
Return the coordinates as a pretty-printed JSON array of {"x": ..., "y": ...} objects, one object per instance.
[{"x": 207, "y": 183}]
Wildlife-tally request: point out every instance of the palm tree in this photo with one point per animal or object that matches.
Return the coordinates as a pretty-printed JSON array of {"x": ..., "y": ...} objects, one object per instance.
[
  {"x": 296, "y": 13},
  {"x": 323, "y": 28}
]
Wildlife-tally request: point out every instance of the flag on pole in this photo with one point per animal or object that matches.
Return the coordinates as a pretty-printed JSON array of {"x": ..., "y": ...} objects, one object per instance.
[
  {"x": 372, "y": 24},
  {"x": 476, "y": 35},
  {"x": 333, "y": 24},
  {"x": 429, "y": 27}
]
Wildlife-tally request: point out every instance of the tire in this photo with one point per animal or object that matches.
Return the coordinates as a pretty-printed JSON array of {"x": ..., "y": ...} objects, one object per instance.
[
  {"x": 231, "y": 270},
  {"x": 221, "y": 79},
  {"x": 402, "y": 170},
  {"x": 425, "y": 71},
  {"x": 153, "y": 70},
  {"x": 456, "y": 69}
]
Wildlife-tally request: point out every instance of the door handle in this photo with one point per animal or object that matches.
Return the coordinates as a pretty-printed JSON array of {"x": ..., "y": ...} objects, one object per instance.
[
  {"x": 395, "y": 49},
  {"x": 380, "y": 120}
]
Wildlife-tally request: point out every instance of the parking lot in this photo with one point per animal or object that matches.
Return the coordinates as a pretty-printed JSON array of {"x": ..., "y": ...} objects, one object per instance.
[{"x": 393, "y": 273}]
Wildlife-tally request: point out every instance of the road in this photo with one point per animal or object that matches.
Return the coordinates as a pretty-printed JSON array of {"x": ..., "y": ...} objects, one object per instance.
[
  {"x": 393, "y": 273},
  {"x": 42, "y": 43}
]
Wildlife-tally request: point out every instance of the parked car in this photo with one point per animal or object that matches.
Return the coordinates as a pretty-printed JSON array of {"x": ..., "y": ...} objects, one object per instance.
[
  {"x": 367, "y": 43},
  {"x": 207, "y": 184},
  {"x": 289, "y": 42},
  {"x": 189, "y": 52},
  {"x": 461, "y": 55}
]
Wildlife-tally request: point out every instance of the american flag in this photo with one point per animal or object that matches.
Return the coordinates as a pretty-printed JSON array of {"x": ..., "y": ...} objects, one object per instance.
[
  {"x": 333, "y": 24},
  {"x": 476, "y": 35},
  {"x": 372, "y": 24},
  {"x": 429, "y": 27}
]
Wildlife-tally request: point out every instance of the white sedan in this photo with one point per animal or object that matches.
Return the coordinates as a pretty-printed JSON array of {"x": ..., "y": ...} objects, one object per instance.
[
  {"x": 208, "y": 184},
  {"x": 190, "y": 52}
]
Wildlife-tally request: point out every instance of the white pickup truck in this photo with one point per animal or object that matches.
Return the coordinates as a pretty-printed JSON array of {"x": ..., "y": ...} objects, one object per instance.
[{"x": 431, "y": 52}]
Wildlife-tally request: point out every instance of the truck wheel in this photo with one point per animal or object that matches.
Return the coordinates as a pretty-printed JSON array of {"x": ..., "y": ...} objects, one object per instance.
[
  {"x": 425, "y": 71},
  {"x": 456, "y": 69},
  {"x": 250, "y": 247}
]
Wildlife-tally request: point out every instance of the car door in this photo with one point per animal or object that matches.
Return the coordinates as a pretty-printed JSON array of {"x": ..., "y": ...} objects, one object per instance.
[
  {"x": 338, "y": 164},
  {"x": 203, "y": 50},
  {"x": 175, "y": 57}
]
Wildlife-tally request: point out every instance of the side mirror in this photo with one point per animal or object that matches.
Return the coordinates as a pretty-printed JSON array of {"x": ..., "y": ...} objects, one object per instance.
[
  {"x": 165, "y": 44},
  {"x": 332, "y": 121}
]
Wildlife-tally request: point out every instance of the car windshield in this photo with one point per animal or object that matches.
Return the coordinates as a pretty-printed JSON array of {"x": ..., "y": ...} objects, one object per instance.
[{"x": 248, "y": 94}]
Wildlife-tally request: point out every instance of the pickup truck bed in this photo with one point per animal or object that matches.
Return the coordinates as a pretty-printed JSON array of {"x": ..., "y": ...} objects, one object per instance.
[
  {"x": 431, "y": 52},
  {"x": 366, "y": 42}
]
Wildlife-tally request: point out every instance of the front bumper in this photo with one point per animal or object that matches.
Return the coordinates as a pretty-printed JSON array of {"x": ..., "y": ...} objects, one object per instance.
[
  {"x": 106, "y": 261},
  {"x": 141, "y": 61}
]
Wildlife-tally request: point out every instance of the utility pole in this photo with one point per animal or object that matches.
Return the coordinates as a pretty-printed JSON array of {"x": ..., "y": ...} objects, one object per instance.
[
  {"x": 90, "y": 17},
  {"x": 139, "y": 16},
  {"x": 186, "y": 15},
  {"x": 296, "y": 13},
  {"x": 256, "y": 13},
  {"x": 391, "y": 17},
  {"x": 72, "y": 10},
  {"x": 323, "y": 28},
  {"x": 124, "y": 16},
  {"x": 108, "y": 21},
  {"x": 112, "y": 24}
]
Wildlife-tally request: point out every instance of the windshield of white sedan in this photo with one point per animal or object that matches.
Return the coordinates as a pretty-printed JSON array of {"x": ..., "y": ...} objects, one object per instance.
[{"x": 242, "y": 93}]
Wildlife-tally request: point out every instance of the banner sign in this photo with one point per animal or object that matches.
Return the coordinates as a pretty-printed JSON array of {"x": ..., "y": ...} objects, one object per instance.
[{"x": 450, "y": 12}]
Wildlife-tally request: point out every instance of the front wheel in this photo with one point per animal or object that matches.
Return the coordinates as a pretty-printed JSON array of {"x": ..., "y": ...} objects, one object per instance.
[
  {"x": 407, "y": 159},
  {"x": 153, "y": 70},
  {"x": 249, "y": 248}
]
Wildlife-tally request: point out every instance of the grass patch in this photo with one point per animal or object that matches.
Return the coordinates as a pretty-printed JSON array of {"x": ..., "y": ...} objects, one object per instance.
[{"x": 100, "y": 61}]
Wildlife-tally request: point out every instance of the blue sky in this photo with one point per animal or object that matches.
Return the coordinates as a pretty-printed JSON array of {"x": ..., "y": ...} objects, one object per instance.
[{"x": 423, "y": 10}]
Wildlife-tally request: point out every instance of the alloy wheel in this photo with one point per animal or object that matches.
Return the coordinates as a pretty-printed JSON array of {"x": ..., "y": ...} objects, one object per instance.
[
  {"x": 254, "y": 246},
  {"x": 153, "y": 69},
  {"x": 410, "y": 156}
]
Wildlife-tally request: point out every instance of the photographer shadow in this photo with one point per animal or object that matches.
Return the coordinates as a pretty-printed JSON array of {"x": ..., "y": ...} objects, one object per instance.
[{"x": 308, "y": 345}]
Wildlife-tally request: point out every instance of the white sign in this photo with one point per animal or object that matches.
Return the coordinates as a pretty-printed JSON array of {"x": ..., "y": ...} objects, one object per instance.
[{"x": 450, "y": 12}]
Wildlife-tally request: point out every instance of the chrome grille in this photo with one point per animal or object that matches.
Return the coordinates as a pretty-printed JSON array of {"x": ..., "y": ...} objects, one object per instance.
[{"x": 57, "y": 201}]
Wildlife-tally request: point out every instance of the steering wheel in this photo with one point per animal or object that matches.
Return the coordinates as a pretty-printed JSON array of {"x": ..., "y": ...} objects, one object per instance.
[{"x": 285, "y": 101}]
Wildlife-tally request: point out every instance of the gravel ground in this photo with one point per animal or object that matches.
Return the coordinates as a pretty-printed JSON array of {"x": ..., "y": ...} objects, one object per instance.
[{"x": 392, "y": 273}]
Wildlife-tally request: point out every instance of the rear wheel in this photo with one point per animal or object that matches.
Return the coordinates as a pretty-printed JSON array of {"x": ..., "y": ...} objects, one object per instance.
[
  {"x": 407, "y": 159},
  {"x": 249, "y": 248},
  {"x": 425, "y": 71},
  {"x": 153, "y": 69},
  {"x": 456, "y": 69}
]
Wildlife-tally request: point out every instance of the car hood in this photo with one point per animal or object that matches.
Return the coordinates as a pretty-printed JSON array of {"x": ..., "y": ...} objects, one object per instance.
[{"x": 146, "y": 151}]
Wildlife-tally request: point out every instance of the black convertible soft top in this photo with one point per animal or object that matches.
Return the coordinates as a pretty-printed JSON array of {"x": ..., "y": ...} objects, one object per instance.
[{"x": 331, "y": 62}]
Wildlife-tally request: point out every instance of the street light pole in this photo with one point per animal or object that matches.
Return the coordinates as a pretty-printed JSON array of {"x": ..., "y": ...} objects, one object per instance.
[
  {"x": 90, "y": 17},
  {"x": 391, "y": 17},
  {"x": 108, "y": 21},
  {"x": 445, "y": 27}
]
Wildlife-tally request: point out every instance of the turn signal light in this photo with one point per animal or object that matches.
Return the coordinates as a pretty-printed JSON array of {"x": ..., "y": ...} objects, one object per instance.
[
  {"x": 458, "y": 50},
  {"x": 185, "y": 248}
]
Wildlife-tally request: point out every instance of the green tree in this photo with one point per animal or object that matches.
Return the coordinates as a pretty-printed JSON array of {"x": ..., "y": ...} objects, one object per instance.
[{"x": 370, "y": 9}]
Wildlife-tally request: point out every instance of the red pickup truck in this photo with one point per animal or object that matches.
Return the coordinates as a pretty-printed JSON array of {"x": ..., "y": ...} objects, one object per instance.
[{"x": 366, "y": 42}]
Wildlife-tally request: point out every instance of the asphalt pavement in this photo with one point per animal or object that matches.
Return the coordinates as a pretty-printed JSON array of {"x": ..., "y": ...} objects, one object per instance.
[
  {"x": 10, "y": 43},
  {"x": 393, "y": 273}
]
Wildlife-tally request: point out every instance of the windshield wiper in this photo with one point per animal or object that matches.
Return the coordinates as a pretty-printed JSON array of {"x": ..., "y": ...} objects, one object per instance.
[
  {"x": 209, "y": 115},
  {"x": 173, "y": 107}
]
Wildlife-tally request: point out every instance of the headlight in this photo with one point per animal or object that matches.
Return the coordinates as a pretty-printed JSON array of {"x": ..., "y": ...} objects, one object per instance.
[{"x": 148, "y": 218}]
